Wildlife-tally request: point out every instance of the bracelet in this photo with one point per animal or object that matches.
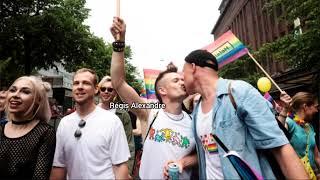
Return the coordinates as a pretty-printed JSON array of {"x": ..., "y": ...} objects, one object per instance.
[
  {"x": 118, "y": 46},
  {"x": 281, "y": 115}
]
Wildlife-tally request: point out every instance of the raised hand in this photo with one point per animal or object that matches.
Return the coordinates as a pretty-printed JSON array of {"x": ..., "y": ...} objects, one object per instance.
[
  {"x": 286, "y": 99},
  {"x": 118, "y": 28}
]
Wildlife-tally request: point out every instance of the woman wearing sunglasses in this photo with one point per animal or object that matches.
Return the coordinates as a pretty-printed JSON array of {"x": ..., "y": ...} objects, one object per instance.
[
  {"x": 27, "y": 142},
  {"x": 108, "y": 95}
]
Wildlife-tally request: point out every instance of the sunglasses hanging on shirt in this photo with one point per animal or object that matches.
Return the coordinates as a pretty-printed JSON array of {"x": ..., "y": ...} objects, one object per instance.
[{"x": 78, "y": 132}]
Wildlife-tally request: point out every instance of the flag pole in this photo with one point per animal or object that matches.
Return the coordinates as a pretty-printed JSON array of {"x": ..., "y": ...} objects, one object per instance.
[
  {"x": 265, "y": 72},
  {"x": 118, "y": 15}
]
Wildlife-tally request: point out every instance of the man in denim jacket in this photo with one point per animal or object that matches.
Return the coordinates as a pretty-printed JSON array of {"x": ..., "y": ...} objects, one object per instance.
[{"x": 249, "y": 127}]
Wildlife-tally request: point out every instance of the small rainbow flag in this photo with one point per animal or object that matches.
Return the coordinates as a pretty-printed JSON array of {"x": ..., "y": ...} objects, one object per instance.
[
  {"x": 150, "y": 76},
  {"x": 268, "y": 97},
  {"x": 227, "y": 48},
  {"x": 212, "y": 148}
]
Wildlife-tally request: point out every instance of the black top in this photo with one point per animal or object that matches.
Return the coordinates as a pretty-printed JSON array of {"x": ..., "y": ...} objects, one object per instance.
[{"x": 29, "y": 156}]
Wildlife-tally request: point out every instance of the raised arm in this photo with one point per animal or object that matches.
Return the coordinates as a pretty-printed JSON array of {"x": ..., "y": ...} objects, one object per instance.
[
  {"x": 126, "y": 92},
  {"x": 137, "y": 131},
  {"x": 286, "y": 99}
]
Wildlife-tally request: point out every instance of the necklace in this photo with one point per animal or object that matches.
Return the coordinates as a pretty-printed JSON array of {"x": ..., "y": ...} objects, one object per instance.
[
  {"x": 297, "y": 119},
  {"x": 174, "y": 117},
  {"x": 21, "y": 122}
]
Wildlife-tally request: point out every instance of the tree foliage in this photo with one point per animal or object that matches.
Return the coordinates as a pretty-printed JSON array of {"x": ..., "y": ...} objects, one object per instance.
[
  {"x": 38, "y": 34},
  {"x": 243, "y": 69},
  {"x": 302, "y": 51}
]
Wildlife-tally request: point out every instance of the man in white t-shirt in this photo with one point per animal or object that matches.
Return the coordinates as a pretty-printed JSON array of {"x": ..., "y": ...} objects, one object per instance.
[
  {"x": 91, "y": 143},
  {"x": 108, "y": 96},
  {"x": 170, "y": 136}
]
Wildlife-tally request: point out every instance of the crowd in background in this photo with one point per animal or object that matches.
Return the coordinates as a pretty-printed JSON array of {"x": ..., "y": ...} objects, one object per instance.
[{"x": 94, "y": 141}]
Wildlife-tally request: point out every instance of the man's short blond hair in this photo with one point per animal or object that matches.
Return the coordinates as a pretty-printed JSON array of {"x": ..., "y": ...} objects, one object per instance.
[{"x": 95, "y": 76}]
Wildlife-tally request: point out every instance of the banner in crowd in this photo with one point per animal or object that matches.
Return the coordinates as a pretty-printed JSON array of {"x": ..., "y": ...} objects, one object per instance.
[
  {"x": 150, "y": 76},
  {"x": 227, "y": 48},
  {"x": 142, "y": 91}
]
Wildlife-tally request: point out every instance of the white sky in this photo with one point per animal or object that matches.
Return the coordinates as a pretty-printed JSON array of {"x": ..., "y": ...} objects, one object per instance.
[{"x": 158, "y": 31}]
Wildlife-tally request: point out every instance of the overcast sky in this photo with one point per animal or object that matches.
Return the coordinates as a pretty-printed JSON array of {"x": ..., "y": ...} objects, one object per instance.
[{"x": 158, "y": 31}]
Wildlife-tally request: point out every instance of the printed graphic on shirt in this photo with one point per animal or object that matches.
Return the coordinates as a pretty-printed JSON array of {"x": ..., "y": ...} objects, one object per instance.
[
  {"x": 209, "y": 144},
  {"x": 169, "y": 136}
]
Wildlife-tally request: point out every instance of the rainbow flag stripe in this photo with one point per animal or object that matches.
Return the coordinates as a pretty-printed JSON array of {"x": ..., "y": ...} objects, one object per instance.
[
  {"x": 212, "y": 148},
  {"x": 227, "y": 48},
  {"x": 150, "y": 76},
  {"x": 268, "y": 97}
]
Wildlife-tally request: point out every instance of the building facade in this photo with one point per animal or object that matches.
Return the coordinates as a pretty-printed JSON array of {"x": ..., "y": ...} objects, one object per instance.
[
  {"x": 61, "y": 82},
  {"x": 248, "y": 20}
]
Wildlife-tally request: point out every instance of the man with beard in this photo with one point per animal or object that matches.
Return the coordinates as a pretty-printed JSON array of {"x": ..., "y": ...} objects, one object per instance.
[{"x": 91, "y": 142}]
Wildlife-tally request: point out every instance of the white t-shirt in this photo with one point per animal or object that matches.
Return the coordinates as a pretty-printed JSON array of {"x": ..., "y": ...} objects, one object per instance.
[
  {"x": 111, "y": 110},
  {"x": 204, "y": 131},
  {"x": 168, "y": 139},
  {"x": 102, "y": 144}
]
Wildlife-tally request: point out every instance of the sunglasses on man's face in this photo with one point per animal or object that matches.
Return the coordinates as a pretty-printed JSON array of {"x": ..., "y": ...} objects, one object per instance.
[
  {"x": 78, "y": 132},
  {"x": 103, "y": 89}
]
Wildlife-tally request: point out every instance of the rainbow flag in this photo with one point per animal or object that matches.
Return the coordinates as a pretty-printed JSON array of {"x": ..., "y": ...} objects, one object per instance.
[
  {"x": 212, "y": 148},
  {"x": 227, "y": 48},
  {"x": 268, "y": 97},
  {"x": 150, "y": 76}
]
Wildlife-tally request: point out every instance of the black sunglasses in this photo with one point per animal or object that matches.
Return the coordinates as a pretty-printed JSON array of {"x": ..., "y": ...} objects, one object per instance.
[
  {"x": 81, "y": 124},
  {"x": 103, "y": 89}
]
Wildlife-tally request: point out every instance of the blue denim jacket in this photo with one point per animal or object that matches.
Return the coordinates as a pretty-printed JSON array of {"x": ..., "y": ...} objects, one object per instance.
[{"x": 257, "y": 128}]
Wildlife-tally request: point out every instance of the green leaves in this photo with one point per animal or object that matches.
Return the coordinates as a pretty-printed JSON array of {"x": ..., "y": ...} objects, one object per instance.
[
  {"x": 303, "y": 51},
  {"x": 36, "y": 34}
]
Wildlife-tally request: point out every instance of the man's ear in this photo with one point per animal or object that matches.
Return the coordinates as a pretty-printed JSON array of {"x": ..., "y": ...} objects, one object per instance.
[
  {"x": 162, "y": 91},
  {"x": 194, "y": 68},
  {"x": 96, "y": 91}
]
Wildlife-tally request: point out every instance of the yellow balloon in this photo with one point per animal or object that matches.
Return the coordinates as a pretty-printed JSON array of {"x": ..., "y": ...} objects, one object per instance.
[{"x": 264, "y": 84}]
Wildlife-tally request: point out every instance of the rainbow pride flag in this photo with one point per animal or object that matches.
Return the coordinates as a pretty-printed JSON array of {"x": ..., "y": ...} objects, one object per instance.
[
  {"x": 150, "y": 76},
  {"x": 268, "y": 97},
  {"x": 227, "y": 48},
  {"x": 212, "y": 148}
]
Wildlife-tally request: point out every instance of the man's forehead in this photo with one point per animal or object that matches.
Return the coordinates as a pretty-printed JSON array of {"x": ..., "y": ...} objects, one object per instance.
[
  {"x": 84, "y": 76},
  {"x": 173, "y": 75}
]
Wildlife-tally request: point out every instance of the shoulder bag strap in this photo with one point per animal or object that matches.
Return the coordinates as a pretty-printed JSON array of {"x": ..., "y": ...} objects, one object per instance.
[
  {"x": 231, "y": 97},
  {"x": 154, "y": 118}
]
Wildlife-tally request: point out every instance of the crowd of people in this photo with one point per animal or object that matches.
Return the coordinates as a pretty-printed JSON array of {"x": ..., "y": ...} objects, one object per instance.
[{"x": 96, "y": 141}]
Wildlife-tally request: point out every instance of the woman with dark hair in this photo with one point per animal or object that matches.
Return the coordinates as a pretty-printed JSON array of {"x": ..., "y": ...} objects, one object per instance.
[
  {"x": 302, "y": 108},
  {"x": 27, "y": 142}
]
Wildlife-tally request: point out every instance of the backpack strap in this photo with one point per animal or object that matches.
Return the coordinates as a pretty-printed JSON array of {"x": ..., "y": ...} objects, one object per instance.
[
  {"x": 234, "y": 104},
  {"x": 154, "y": 118}
]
